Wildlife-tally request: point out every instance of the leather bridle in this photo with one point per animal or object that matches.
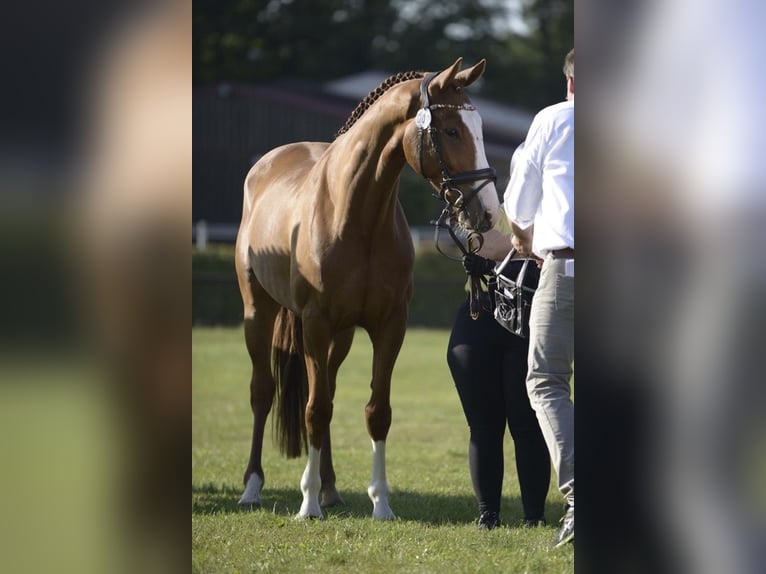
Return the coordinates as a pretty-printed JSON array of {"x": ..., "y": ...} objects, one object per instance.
[
  {"x": 449, "y": 191},
  {"x": 456, "y": 198}
]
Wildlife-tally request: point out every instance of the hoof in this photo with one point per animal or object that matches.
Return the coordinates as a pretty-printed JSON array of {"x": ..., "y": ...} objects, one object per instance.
[
  {"x": 381, "y": 510},
  {"x": 330, "y": 498},
  {"x": 310, "y": 509},
  {"x": 251, "y": 498}
]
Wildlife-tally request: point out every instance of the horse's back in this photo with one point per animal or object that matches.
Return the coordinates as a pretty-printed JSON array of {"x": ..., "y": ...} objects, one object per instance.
[{"x": 279, "y": 174}]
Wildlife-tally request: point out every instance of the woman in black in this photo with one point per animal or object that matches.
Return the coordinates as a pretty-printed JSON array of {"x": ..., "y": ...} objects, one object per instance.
[{"x": 489, "y": 367}]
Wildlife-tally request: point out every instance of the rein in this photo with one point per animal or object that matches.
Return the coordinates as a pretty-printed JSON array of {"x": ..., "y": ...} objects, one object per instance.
[
  {"x": 474, "y": 301},
  {"x": 449, "y": 181}
]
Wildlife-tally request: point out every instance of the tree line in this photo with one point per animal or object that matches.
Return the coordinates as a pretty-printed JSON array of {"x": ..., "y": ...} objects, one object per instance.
[{"x": 262, "y": 41}]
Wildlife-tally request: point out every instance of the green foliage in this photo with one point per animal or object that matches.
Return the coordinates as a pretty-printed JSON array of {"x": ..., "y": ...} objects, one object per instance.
[
  {"x": 319, "y": 40},
  {"x": 432, "y": 34},
  {"x": 252, "y": 40},
  {"x": 526, "y": 70},
  {"x": 427, "y": 470},
  {"x": 215, "y": 295}
]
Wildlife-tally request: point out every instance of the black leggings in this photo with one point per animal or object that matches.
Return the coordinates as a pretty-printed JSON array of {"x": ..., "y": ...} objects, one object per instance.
[{"x": 489, "y": 367}]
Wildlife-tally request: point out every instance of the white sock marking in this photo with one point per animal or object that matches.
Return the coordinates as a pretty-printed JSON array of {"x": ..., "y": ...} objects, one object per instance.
[
  {"x": 311, "y": 483},
  {"x": 378, "y": 489}
]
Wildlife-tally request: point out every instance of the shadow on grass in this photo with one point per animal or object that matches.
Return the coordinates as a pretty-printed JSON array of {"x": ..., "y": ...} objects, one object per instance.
[{"x": 433, "y": 509}]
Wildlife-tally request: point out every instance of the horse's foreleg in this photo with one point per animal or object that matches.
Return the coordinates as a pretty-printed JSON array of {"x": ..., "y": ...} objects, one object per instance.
[
  {"x": 386, "y": 343},
  {"x": 339, "y": 349},
  {"x": 316, "y": 343},
  {"x": 378, "y": 489}
]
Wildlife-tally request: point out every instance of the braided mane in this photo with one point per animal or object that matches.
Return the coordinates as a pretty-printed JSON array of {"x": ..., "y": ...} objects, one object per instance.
[{"x": 370, "y": 98}]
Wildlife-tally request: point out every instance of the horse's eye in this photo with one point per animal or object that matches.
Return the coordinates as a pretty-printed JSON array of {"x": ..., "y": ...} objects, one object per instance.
[{"x": 451, "y": 132}]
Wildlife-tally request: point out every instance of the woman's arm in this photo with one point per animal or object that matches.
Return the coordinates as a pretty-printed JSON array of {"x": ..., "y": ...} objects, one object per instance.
[{"x": 496, "y": 245}]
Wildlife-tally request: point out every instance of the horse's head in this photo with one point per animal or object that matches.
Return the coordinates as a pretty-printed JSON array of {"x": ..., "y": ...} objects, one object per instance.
[{"x": 444, "y": 143}]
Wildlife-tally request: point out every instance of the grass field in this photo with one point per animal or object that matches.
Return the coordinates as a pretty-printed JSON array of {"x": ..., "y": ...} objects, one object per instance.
[{"x": 426, "y": 466}]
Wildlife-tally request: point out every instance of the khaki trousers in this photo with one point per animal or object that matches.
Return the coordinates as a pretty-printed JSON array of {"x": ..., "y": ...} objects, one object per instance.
[{"x": 551, "y": 358}]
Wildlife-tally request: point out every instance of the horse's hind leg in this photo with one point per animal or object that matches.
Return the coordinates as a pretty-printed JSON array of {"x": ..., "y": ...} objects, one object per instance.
[
  {"x": 260, "y": 312},
  {"x": 339, "y": 349},
  {"x": 387, "y": 340}
]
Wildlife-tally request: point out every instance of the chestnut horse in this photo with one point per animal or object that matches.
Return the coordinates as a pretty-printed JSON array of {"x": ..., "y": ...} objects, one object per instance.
[{"x": 324, "y": 246}]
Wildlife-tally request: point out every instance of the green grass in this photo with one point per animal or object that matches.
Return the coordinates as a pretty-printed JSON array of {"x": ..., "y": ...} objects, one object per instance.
[{"x": 426, "y": 466}]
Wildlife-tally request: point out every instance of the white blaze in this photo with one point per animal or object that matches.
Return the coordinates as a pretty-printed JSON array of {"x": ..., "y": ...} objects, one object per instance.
[{"x": 488, "y": 194}]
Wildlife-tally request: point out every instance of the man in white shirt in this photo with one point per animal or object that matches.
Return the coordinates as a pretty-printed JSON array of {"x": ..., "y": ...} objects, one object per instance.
[{"x": 539, "y": 203}]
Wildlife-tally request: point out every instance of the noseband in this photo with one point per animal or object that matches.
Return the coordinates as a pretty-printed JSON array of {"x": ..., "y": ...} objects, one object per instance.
[{"x": 449, "y": 181}]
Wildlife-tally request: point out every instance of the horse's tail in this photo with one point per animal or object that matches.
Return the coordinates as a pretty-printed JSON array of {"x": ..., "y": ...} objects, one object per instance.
[{"x": 289, "y": 369}]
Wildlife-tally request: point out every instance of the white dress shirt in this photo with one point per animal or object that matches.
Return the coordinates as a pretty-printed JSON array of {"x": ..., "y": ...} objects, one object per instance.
[{"x": 541, "y": 189}]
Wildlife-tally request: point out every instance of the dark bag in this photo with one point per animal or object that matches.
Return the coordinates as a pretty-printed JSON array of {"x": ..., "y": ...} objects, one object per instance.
[{"x": 511, "y": 289}]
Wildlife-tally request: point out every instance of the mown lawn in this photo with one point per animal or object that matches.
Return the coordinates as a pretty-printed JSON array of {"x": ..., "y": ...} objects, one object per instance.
[{"x": 426, "y": 466}]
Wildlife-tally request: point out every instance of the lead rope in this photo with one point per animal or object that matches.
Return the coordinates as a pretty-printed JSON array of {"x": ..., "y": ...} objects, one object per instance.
[{"x": 475, "y": 242}]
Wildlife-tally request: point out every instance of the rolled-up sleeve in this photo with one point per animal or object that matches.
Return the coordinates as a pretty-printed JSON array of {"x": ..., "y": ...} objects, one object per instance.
[{"x": 524, "y": 191}]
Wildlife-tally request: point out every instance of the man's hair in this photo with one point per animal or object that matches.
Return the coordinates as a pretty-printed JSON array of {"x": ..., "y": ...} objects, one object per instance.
[{"x": 569, "y": 64}]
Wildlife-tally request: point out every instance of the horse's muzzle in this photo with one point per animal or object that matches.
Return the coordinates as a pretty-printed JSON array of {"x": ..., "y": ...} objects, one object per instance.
[{"x": 474, "y": 215}]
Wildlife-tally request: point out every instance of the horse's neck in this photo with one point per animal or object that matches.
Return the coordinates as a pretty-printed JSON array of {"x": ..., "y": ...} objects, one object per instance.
[{"x": 369, "y": 159}]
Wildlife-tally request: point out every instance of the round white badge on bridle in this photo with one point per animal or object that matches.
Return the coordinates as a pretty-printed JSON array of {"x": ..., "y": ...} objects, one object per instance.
[{"x": 423, "y": 118}]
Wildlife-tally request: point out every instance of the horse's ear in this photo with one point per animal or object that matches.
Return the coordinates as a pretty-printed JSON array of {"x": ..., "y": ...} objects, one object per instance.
[
  {"x": 453, "y": 74},
  {"x": 470, "y": 75},
  {"x": 445, "y": 77}
]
